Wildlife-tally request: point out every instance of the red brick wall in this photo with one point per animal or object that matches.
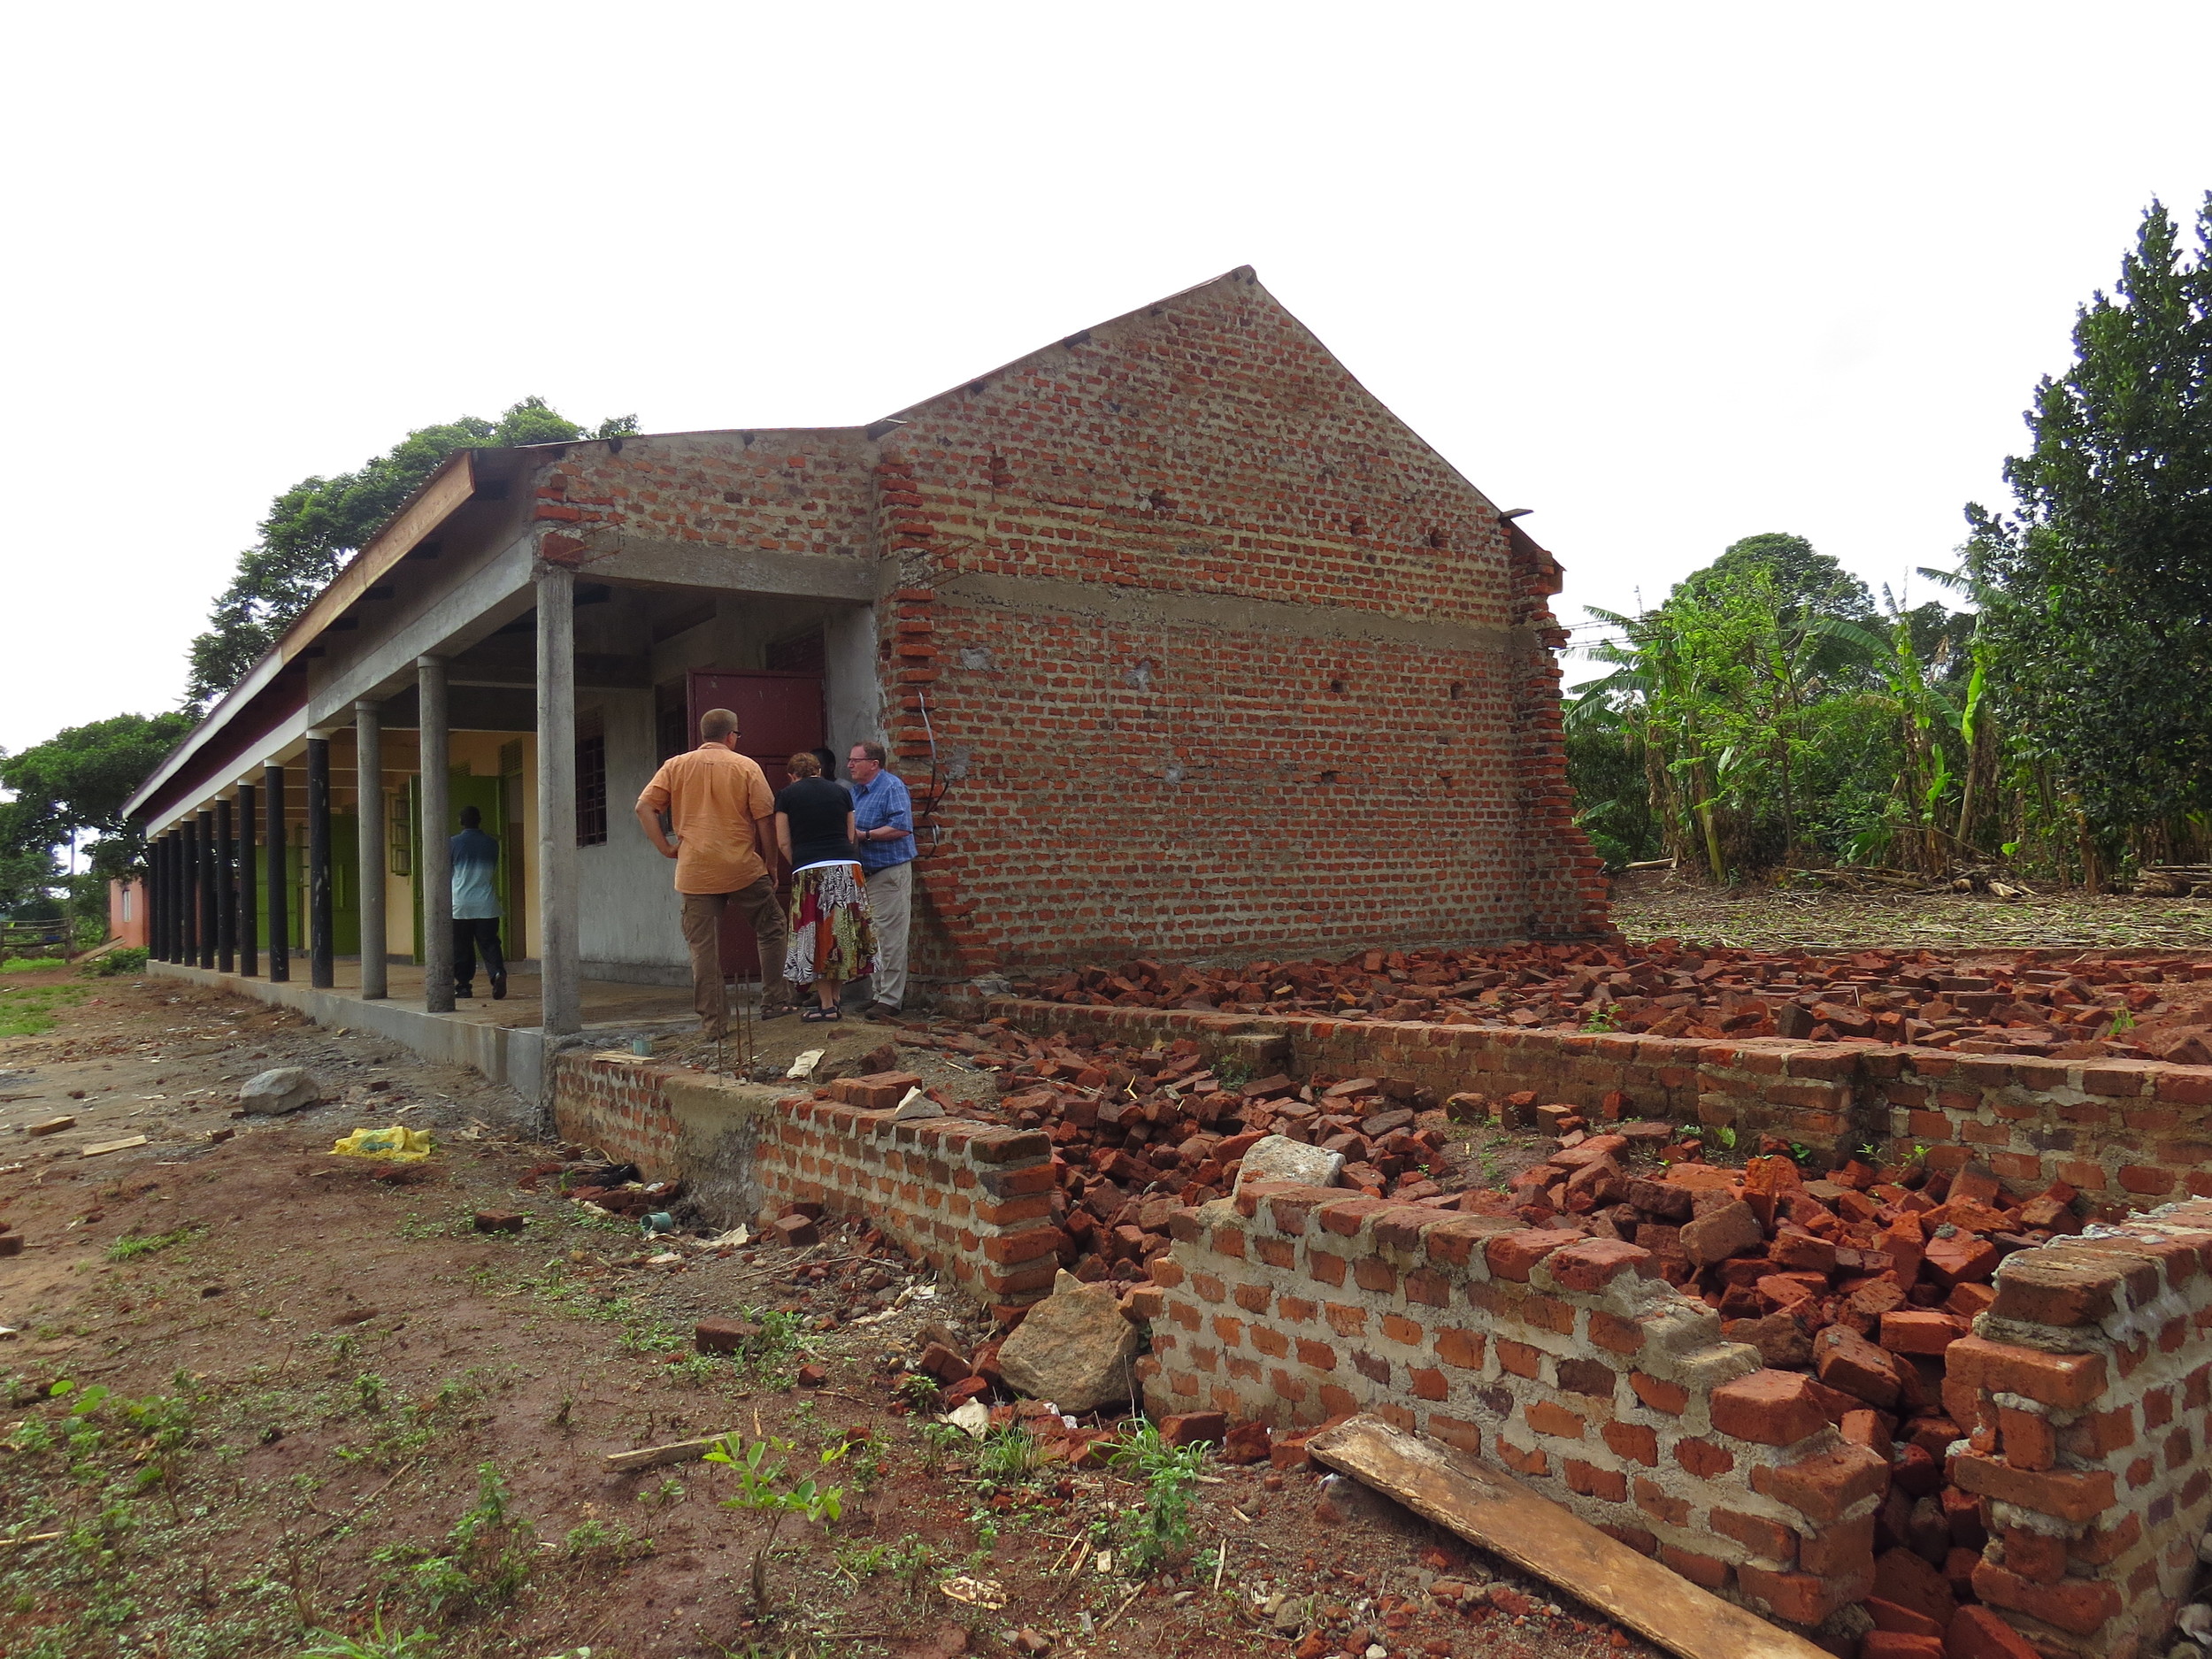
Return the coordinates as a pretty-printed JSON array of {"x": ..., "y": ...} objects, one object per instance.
[
  {"x": 1229, "y": 660},
  {"x": 972, "y": 1200},
  {"x": 1609, "y": 1391},
  {"x": 2086, "y": 1391},
  {"x": 1218, "y": 658},
  {"x": 2124, "y": 1132}
]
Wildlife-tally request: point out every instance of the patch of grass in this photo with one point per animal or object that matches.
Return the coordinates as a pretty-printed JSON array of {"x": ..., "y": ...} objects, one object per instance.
[
  {"x": 31, "y": 965},
  {"x": 416, "y": 1644},
  {"x": 30, "y": 1011},
  {"x": 486, "y": 1558},
  {"x": 132, "y": 1245}
]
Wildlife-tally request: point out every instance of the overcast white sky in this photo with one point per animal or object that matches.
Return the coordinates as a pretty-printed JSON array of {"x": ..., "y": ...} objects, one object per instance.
[{"x": 1670, "y": 275}]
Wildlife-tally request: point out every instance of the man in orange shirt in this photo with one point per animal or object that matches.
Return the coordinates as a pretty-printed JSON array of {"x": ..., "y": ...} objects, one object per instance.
[{"x": 724, "y": 815}]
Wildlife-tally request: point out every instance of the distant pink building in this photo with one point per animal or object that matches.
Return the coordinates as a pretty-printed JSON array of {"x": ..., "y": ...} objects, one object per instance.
[{"x": 126, "y": 911}]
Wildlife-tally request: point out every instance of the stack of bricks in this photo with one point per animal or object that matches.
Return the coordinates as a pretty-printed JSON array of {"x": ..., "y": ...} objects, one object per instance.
[
  {"x": 1558, "y": 1357},
  {"x": 2085, "y": 1390},
  {"x": 972, "y": 1200},
  {"x": 2120, "y": 1131}
]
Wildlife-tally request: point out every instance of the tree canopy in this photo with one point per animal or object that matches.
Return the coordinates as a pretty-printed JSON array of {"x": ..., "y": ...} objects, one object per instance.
[
  {"x": 2099, "y": 585},
  {"x": 1807, "y": 582},
  {"x": 313, "y": 527},
  {"x": 75, "y": 783}
]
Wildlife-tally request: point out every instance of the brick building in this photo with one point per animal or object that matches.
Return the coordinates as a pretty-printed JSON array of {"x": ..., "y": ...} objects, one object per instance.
[{"x": 1189, "y": 647}]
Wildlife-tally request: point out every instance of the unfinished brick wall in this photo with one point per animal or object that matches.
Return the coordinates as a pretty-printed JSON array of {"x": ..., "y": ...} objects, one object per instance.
[
  {"x": 2087, "y": 1391},
  {"x": 1198, "y": 624},
  {"x": 777, "y": 491},
  {"x": 972, "y": 1200},
  {"x": 1608, "y": 1390},
  {"x": 1179, "y": 619},
  {"x": 2124, "y": 1132}
]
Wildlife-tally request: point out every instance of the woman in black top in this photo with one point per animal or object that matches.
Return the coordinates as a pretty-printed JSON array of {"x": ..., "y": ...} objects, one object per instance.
[{"x": 833, "y": 940}]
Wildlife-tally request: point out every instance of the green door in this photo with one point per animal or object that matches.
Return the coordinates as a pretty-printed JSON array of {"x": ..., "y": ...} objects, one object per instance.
[
  {"x": 345, "y": 889},
  {"x": 488, "y": 797}
]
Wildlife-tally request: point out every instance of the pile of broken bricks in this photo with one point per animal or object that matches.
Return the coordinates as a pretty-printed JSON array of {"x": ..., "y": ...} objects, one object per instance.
[{"x": 2067, "y": 1004}]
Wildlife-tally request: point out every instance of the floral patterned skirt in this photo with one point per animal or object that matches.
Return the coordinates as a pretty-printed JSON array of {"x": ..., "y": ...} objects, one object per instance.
[{"x": 831, "y": 935}]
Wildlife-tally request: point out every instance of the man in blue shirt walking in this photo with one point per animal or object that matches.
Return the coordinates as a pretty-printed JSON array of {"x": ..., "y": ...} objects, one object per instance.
[
  {"x": 883, "y": 821},
  {"x": 476, "y": 907}
]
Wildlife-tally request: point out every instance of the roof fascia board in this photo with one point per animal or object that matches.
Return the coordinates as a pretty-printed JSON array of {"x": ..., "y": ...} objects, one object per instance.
[
  {"x": 441, "y": 495},
  {"x": 279, "y": 739}
]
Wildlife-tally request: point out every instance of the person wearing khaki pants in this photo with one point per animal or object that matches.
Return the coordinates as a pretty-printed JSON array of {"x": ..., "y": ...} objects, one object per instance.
[
  {"x": 723, "y": 818},
  {"x": 884, "y": 814}
]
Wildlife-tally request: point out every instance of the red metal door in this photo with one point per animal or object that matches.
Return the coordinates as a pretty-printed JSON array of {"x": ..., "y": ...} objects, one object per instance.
[{"x": 778, "y": 714}]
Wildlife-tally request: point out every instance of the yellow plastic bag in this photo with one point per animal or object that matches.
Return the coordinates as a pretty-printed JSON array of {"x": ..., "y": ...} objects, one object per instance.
[{"x": 398, "y": 1145}]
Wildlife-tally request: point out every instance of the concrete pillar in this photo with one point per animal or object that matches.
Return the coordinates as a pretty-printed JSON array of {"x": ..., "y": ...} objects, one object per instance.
[
  {"x": 249, "y": 951},
  {"x": 368, "y": 747},
  {"x": 189, "y": 899},
  {"x": 322, "y": 945},
  {"x": 560, "y": 962},
  {"x": 226, "y": 893},
  {"x": 280, "y": 905},
  {"x": 156, "y": 921},
  {"x": 171, "y": 882},
  {"x": 436, "y": 732},
  {"x": 207, "y": 888}
]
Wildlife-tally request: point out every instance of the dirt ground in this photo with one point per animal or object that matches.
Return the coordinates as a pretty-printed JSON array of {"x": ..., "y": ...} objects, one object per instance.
[
  {"x": 1659, "y": 904},
  {"x": 258, "y": 1399}
]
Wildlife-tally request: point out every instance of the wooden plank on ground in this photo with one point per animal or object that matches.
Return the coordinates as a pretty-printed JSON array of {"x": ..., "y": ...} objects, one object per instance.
[
  {"x": 1489, "y": 1506},
  {"x": 124, "y": 1145},
  {"x": 654, "y": 1456}
]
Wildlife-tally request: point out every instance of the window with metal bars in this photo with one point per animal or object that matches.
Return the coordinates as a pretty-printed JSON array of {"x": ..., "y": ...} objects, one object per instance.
[{"x": 591, "y": 790}]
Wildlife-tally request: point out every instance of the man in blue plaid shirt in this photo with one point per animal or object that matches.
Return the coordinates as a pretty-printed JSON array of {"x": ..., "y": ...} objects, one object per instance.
[{"x": 883, "y": 820}]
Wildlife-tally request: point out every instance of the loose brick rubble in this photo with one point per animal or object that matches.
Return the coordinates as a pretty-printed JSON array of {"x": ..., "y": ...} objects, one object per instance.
[{"x": 2063, "y": 1004}]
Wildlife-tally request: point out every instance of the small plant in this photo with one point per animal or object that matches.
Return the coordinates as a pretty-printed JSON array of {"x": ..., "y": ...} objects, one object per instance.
[
  {"x": 1604, "y": 1017},
  {"x": 1232, "y": 1072},
  {"x": 1726, "y": 1136},
  {"x": 759, "y": 1467},
  {"x": 132, "y": 1245},
  {"x": 1160, "y": 1530},
  {"x": 1010, "y": 1456},
  {"x": 600, "y": 1543},
  {"x": 939, "y": 1440},
  {"x": 368, "y": 1388},
  {"x": 417, "y": 1644},
  {"x": 116, "y": 964},
  {"x": 1802, "y": 1154},
  {"x": 671, "y": 1491},
  {"x": 920, "y": 1390},
  {"x": 486, "y": 1558},
  {"x": 2122, "y": 1021}
]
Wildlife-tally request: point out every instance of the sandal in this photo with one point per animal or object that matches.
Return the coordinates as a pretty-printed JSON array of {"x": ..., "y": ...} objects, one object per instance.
[{"x": 816, "y": 1015}]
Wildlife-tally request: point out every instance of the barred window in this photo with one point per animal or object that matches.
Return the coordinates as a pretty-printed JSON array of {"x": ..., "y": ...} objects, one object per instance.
[{"x": 591, "y": 790}]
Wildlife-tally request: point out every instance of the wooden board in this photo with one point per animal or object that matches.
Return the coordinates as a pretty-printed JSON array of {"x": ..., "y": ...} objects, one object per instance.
[
  {"x": 654, "y": 1456},
  {"x": 1489, "y": 1506},
  {"x": 124, "y": 1145}
]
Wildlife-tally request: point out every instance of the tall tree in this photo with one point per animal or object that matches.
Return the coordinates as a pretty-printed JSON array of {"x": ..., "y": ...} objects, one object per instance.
[
  {"x": 1806, "y": 582},
  {"x": 2100, "y": 583},
  {"x": 75, "y": 784},
  {"x": 313, "y": 527}
]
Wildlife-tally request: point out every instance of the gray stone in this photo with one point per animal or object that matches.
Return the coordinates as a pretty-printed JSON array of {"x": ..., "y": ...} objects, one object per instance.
[
  {"x": 1728, "y": 1230},
  {"x": 1280, "y": 1158},
  {"x": 285, "y": 1089},
  {"x": 916, "y": 1104},
  {"x": 1074, "y": 1348}
]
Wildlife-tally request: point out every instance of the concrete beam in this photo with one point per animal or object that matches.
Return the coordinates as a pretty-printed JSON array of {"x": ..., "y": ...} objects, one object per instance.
[
  {"x": 478, "y": 603},
  {"x": 641, "y": 561}
]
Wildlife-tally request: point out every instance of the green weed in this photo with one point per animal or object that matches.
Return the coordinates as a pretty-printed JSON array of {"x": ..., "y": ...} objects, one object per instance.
[
  {"x": 1160, "y": 1529},
  {"x": 417, "y": 1644},
  {"x": 116, "y": 964},
  {"x": 130, "y": 1247}
]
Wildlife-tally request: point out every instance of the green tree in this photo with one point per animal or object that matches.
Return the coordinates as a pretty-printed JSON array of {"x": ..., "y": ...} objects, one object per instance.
[
  {"x": 313, "y": 527},
  {"x": 1807, "y": 582},
  {"x": 75, "y": 783},
  {"x": 2098, "y": 586}
]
